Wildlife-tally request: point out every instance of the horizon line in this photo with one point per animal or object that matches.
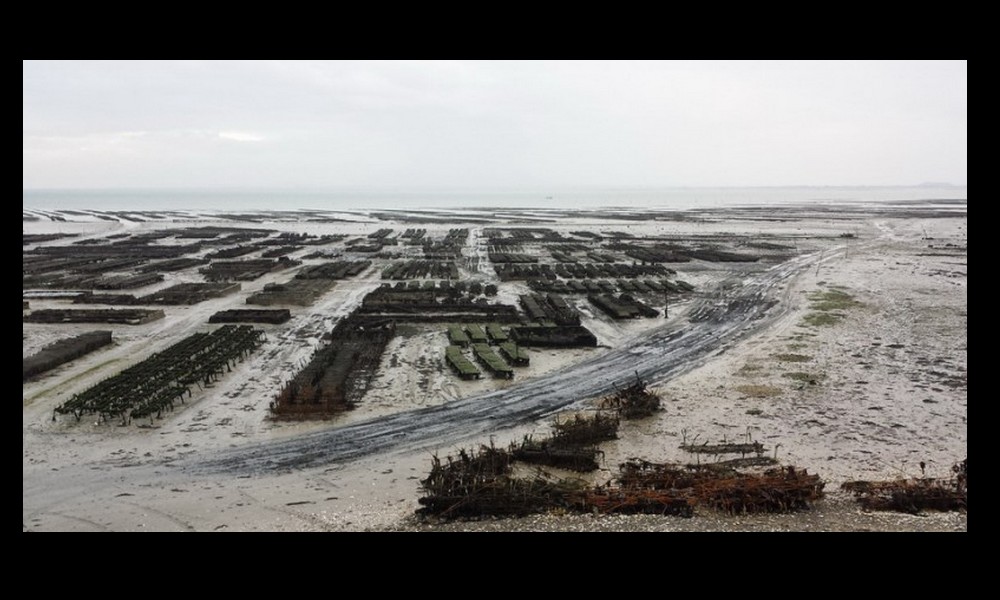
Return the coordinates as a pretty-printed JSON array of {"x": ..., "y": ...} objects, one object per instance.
[{"x": 423, "y": 188}]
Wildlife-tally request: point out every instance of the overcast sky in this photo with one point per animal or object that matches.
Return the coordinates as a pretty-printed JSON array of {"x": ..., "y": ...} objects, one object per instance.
[{"x": 492, "y": 124}]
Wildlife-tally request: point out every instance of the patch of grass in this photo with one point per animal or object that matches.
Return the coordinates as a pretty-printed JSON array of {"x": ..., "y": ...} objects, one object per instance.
[
  {"x": 818, "y": 319},
  {"x": 832, "y": 300},
  {"x": 748, "y": 370},
  {"x": 824, "y": 302},
  {"x": 802, "y": 376},
  {"x": 759, "y": 391},
  {"x": 792, "y": 357}
]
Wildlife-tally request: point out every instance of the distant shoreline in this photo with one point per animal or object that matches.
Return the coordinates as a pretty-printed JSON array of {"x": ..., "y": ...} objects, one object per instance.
[{"x": 455, "y": 199}]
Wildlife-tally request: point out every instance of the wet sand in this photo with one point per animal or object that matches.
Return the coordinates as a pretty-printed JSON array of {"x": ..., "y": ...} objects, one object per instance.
[{"x": 869, "y": 396}]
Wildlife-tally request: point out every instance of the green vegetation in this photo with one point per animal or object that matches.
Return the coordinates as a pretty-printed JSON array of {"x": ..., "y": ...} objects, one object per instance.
[
  {"x": 832, "y": 300},
  {"x": 748, "y": 369},
  {"x": 803, "y": 376},
  {"x": 759, "y": 391},
  {"x": 821, "y": 319},
  {"x": 823, "y": 303},
  {"x": 792, "y": 357}
]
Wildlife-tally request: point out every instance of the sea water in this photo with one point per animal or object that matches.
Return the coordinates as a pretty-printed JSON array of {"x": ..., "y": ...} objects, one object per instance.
[{"x": 678, "y": 198}]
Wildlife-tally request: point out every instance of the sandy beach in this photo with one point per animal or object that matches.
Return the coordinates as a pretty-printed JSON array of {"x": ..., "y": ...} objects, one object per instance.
[{"x": 868, "y": 386}]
